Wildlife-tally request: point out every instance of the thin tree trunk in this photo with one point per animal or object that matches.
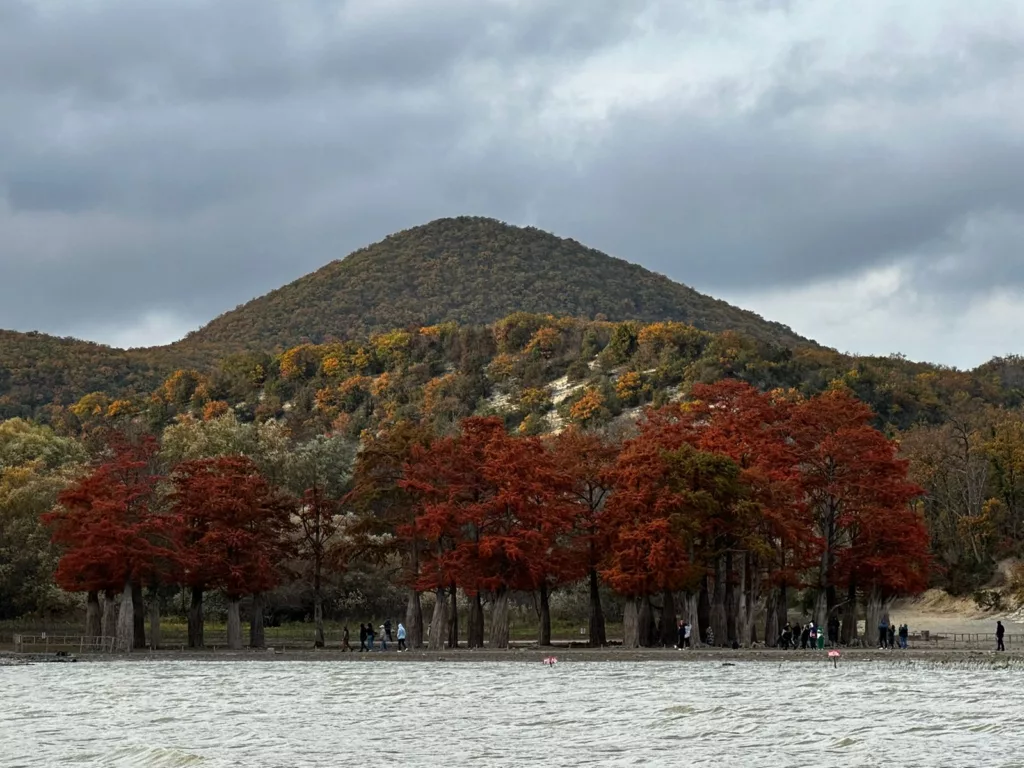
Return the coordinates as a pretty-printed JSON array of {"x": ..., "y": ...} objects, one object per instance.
[
  {"x": 257, "y": 635},
  {"x": 438, "y": 622},
  {"x": 93, "y": 615},
  {"x": 195, "y": 619},
  {"x": 849, "y": 634},
  {"x": 597, "y": 636},
  {"x": 544, "y": 632},
  {"x": 718, "y": 619},
  {"x": 669, "y": 631},
  {"x": 499, "y": 620},
  {"x": 154, "y": 621},
  {"x": 108, "y": 620},
  {"x": 414, "y": 620},
  {"x": 318, "y": 620},
  {"x": 704, "y": 607},
  {"x": 771, "y": 620},
  {"x": 783, "y": 607},
  {"x": 644, "y": 621},
  {"x": 631, "y": 623},
  {"x": 139, "y": 617},
  {"x": 873, "y": 615},
  {"x": 742, "y": 602},
  {"x": 453, "y": 618},
  {"x": 234, "y": 624},
  {"x": 731, "y": 605},
  {"x": 126, "y": 621},
  {"x": 691, "y": 613},
  {"x": 475, "y": 631}
]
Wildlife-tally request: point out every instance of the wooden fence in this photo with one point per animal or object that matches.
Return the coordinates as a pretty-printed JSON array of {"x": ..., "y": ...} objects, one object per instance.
[{"x": 47, "y": 643}]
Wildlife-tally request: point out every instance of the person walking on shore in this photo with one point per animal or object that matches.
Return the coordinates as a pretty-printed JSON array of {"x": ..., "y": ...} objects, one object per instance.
[
  {"x": 711, "y": 637},
  {"x": 904, "y": 634},
  {"x": 384, "y": 637},
  {"x": 1000, "y": 631},
  {"x": 892, "y": 636},
  {"x": 387, "y": 629},
  {"x": 369, "y": 636},
  {"x": 362, "y": 638},
  {"x": 883, "y": 632},
  {"x": 687, "y": 632},
  {"x": 345, "y": 646},
  {"x": 680, "y": 634},
  {"x": 401, "y": 638}
]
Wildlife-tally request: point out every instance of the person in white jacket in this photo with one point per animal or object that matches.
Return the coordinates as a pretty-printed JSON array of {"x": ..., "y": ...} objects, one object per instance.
[{"x": 401, "y": 637}]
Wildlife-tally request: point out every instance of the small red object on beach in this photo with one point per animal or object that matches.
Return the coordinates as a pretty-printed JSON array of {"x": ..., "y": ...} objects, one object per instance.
[
  {"x": 833, "y": 654},
  {"x": 550, "y": 660}
]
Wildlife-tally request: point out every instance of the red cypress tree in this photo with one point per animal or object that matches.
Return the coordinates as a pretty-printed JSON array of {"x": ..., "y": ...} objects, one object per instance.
[
  {"x": 112, "y": 538},
  {"x": 587, "y": 459},
  {"x": 854, "y": 485},
  {"x": 234, "y": 534}
]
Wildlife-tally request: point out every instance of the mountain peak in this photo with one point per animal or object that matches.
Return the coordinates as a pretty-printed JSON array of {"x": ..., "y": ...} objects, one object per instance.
[{"x": 467, "y": 269}]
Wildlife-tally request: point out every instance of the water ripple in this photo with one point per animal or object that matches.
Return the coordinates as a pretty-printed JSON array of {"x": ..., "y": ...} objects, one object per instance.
[{"x": 186, "y": 713}]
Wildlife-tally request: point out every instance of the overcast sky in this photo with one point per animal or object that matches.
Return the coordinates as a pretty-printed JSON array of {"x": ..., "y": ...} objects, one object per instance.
[{"x": 852, "y": 169}]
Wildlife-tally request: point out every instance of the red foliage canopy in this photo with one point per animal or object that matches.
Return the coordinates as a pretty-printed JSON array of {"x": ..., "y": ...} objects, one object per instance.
[
  {"x": 106, "y": 525},
  {"x": 233, "y": 526},
  {"x": 492, "y": 509}
]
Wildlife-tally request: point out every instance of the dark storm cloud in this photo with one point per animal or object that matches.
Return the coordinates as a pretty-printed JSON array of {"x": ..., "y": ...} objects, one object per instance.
[{"x": 182, "y": 157}]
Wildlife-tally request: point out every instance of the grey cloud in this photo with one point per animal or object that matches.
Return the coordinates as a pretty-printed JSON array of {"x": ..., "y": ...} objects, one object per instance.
[{"x": 183, "y": 157}]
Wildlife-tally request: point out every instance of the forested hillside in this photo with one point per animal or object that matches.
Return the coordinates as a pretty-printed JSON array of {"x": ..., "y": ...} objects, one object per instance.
[{"x": 470, "y": 271}]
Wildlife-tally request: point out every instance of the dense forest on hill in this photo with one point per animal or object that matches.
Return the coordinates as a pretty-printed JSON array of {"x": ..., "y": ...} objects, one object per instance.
[
  {"x": 470, "y": 271},
  {"x": 962, "y": 432}
]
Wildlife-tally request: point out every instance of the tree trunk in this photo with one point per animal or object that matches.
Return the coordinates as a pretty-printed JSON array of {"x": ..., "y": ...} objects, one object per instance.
[
  {"x": 234, "y": 625},
  {"x": 730, "y": 602},
  {"x": 195, "y": 619},
  {"x": 597, "y": 636},
  {"x": 704, "y": 609},
  {"x": 691, "y": 613},
  {"x": 783, "y": 607},
  {"x": 669, "y": 631},
  {"x": 499, "y": 620},
  {"x": 438, "y": 622},
  {"x": 257, "y": 636},
  {"x": 849, "y": 634},
  {"x": 631, "y": 623},
  {"x": 771, "y": 620},
  {"x": 414, "y": 620},
  {"x": 93, "y": 618},
  {"x": 318, "y": 620},
  {"x": 139, "y": 616},
  {"x": 873, "y": 615},
  {"x": 743, "y": 604},
  {"x": 718, "y": 619},
  {"x": 475, "y": 631},
  {"x": 644, "y": 620},
  {"x": 453, "y": 618},
  {"x": 108, "y": 620},
  {"x": 154, "y": 621},
  {"x": 544, "y": 632},
  {"x": 126, "y": 621}
]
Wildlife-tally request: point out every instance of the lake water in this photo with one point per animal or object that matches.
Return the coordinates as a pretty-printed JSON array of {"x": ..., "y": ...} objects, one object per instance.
[{"x": 290, "y": 714}]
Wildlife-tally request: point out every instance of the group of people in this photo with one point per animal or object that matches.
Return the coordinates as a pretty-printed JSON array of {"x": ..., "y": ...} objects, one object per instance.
[
  {"x": 367, "y": 637},
  {"x": 891, "y": 636},
  {"x": 809, "y": 636}
]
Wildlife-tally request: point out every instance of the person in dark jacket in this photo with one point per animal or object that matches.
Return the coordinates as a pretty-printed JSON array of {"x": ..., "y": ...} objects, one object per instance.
[
  {"x": 892, "y": 635},
  {"x": 362, "y": 638},
  {"x": 805, "y": 637},
  {"x": 345, "y": 645},
  {"x": 1000, "y": 631},
  {"x": 387, "y": 630},
  {"x": 883, "y": 632},
  {"x": 904, "y": 633}
]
